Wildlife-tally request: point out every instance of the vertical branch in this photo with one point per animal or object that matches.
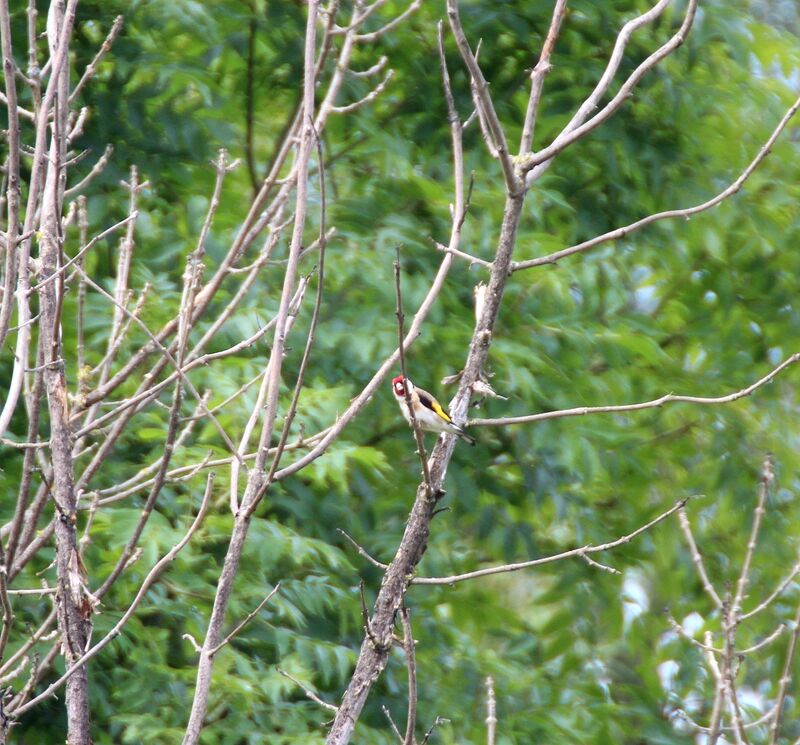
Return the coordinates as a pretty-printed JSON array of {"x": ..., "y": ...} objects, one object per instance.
[
  {"x": 714, "y": 728},
  {"x": 491, "y": 711},
  {"x": 786, "y": 678},
  {"x": 13, "y": 187},
  {"x": 33, "y": 71},
  {"x": 484, "y": 100},
  {"x": 374, "y": 649},
  {"x": 256, "y": 478},
  {"x": 74, "y": 610},
  {"x": 538, "y": 75},
  {"x": 312, "y": 330},
  {"x": 767, "y": 475},
  {"x": 249, "y": 98},
  {"x": 121, "y": 294},
  {"x": 28, "y": 466},
  {"x": 83, "y": 228},
  {"x": 697, "y": 559},
  {"x": 411, "y": 664},
  {"x": 58, "y": 38},
  {"x": 8, "y": 614}
]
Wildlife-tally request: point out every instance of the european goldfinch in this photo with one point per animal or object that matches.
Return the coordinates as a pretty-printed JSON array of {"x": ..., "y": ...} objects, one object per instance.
[{"x": 427, "y": 410}]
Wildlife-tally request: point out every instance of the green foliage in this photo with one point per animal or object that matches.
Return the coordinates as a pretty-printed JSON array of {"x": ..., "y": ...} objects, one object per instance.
[{"x": 701, "y": 307}]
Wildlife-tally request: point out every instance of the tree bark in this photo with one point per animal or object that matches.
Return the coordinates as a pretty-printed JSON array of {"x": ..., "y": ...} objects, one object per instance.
[{"x": 74, "y": 609}]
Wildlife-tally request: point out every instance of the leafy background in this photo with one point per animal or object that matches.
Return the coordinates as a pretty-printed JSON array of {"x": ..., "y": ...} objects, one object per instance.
[{"x": 703, "y": 306}]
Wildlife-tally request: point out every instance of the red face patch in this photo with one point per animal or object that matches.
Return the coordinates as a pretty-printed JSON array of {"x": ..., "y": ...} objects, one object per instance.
[{"x": 398, "y": 387}]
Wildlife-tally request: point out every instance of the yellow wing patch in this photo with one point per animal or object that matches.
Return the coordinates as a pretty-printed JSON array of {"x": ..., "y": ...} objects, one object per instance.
[{"x": 440, "y": 411}]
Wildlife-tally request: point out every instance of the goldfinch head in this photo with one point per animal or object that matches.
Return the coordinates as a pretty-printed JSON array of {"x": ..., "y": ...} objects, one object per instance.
[{"x": 397, "y": 386}]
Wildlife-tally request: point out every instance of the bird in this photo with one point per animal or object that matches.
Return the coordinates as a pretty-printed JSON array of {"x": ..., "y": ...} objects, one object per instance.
[{"x": 428, "y": 412}]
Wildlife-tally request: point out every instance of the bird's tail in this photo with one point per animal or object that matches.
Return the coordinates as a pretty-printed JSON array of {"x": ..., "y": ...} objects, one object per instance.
[{"x": 463, "y": 435}]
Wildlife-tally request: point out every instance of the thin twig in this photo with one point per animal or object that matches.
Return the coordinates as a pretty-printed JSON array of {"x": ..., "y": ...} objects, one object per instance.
[
  {"x": 8, "y": 613},
  {"x": 166, "y": 353},
  {"x": 764, "y": 642},
  {"x": 697, "y": 559},
  {"x": 312, "y": 329},
  {"x": 483, "y": 99},
  {"x": 91, "y": 68},
  {"x": 363, "y": 551},
  {"x": 785, "y": 679},
  {"x": 375, "y": 35},
  {"x": 461, "y": 255},
  {"x": 579, "y": 552},
  {"x": 415, "y": 426},
  {"x": 538, "y": 75},
  {"x": 678, "y": 628},
  {"x": 249, "y": 617},
  {"x": 544, "y": 156},
  {"x": 368, "y": 98},
  {"x": 767, "y": 476},
  {"x": 773, "y": 595},
  {"x": 313, "y": 696},
  {"x": 597, "y": 565},
  {"x": 82, "y": 251},
  {"x": 653, "y": 404},
  {"x": 436, "y": 723},
  {"x": 685, "y": 213},
  {"x": 392, "y": 724},
  {"x": 95, "y": 171}
]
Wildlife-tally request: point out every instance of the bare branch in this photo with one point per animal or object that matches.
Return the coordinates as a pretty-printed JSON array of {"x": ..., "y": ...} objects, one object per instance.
[
  {"x": 655, "y": 403},
  {"x": 257, "y": 476},
  {"x": 367, "y": 99},
  {"x": 372, "y": 70},
  {"x": 313, "y": 696},
  {"x": 150, "y": 502},
  {"x": 461, "y": 255},
  {"x": 575, "y": 552},
  {"x": 363, "y": 551},
  {"x": 698, "y": 559},
  {"x": 436, "y": 723},
  {"x": 484, "y": 101},
  {"x": 90, "y": 70},
  {"x": 396, "y": 21},
  {"x": 95, "y": 171},
  {"x": 167, "y": 355},
  {"x": 767, "y": 476},
  {"x": 82, "y": 251},
  {"x": 775, "y": 594},
  {"x": 459, "y": 211},
  {"x": 13, "y": 191},
  {"x": 411, "y": 664},
  {"x": 249, "y": 617},
  {"x": 393, "y": 724},
  {"x": 312, "y": 330},
  {"x": 678, "y": 628},
  {"x": 491, "y": 711},
  {"x": 538, "y": 75},
  {"x": 373, "y": 657},
  {"x": 764, "y": 642},
  {"x": 543, "y": 157},
  {"x": 786, "y": 678},
  {"x": 686, "y": 213},
  {"x": 8, "y": 613}
]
